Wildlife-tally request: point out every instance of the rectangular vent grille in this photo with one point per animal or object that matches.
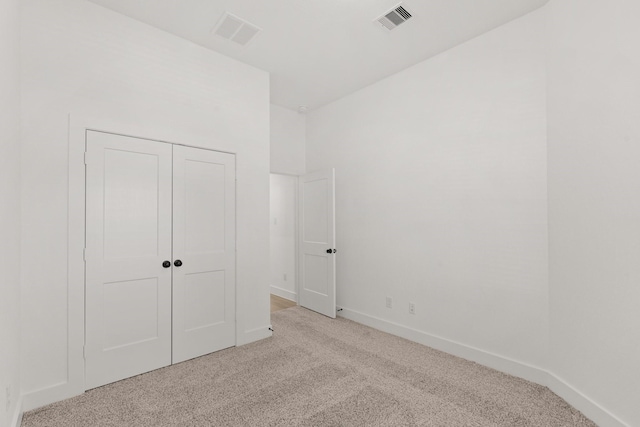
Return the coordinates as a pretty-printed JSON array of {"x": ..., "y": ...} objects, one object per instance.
[
  {"x": 237, "y": 30},
  {"x": 394, "y": 17}
]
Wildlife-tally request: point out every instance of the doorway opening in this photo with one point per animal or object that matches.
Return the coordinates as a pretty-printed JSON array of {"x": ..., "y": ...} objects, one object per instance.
[
  {"x": 284, "y": 241},
  {"x": 302, "y": 232}
]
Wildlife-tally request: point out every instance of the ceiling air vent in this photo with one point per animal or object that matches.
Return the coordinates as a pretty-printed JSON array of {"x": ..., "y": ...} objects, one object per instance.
[
  {"x": 394, "y": 17},
  {"x": 237, "y": 30}
]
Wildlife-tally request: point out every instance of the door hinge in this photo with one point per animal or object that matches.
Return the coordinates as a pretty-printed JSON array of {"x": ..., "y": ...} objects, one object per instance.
[
  {"x": 84, "y": 352},
  {"x": 84, "y": 254},
  {"x": 85, "y": 157}
]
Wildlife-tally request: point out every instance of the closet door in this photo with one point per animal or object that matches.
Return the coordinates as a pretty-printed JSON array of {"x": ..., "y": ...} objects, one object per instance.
[
  {"x": 128, "y": 237},
  {"x": 203, "y": 252}
]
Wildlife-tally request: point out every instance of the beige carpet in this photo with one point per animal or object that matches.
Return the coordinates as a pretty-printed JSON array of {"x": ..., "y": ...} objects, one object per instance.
[{"x": 317, "y": 372}]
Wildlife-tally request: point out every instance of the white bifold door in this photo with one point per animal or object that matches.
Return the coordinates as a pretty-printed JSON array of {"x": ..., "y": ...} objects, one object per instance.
[
  {"x": 159, "y": 257},
  {"x": 317, "y": 242}
]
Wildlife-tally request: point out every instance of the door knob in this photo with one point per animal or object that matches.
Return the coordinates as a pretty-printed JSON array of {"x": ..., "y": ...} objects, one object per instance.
[
  {"x": 328, "y": 251},
  {"x": 166, "y": 264},
  {"x": 177, "y": 263}
]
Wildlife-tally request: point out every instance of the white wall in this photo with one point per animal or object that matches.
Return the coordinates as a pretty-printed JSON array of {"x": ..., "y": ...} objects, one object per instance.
[
  {"x": 594, "y": 200},
  {"x": 283, "y": 235},
  {"x": 9, "y": 210},
  {"x": 288, "y": 133},
  {"x": 441, "y": 195},
  {"x": 83, "y": 60}
]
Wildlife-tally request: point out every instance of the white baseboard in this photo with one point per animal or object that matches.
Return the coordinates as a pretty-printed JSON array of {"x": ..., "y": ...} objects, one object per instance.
[
  {"x": 65, "y": 390},
  {"x": 283, "y": 293},
  {"x": 254, "y": 335},
  {"x": 16, "y": 419},
  {"x": 541, "y": 376},
  {"x": 50, "y": 394},
  {"x": 504, "y": 364},
  {"x": 587, "y": 406}
]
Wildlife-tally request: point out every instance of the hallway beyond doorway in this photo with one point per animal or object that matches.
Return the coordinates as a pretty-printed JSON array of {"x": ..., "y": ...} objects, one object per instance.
[{"x": 279, "y": 303}]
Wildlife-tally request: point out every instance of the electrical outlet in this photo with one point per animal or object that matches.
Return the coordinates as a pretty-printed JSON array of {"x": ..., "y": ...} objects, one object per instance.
[
  {"x": 389, "y": 302},
  {"x": 412, "y": 308}
]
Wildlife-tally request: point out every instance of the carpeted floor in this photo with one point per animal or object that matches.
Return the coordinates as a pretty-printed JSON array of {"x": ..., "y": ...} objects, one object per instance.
[{"x": 317, "y": 372}]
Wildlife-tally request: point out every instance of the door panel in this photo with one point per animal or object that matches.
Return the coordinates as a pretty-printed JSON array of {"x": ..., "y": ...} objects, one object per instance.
[
  {"x": 204, "y": 240},
  {"x": 317, "y": 224},
  {"x": 316, "y": 273},
  {"x": 204, "y": 186},
  {"x": 128, "y": 236},
  {"x": 130, "y": 208},
  {"x": 315, "y": 203},
  {"x": 207, "y": 286},
  {"x": 133, "y": 319}
]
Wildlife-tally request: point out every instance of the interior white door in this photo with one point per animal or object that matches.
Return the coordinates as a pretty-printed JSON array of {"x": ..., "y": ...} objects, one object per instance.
[
  {"x": 204, "y": 252},
  {"x": 317, "y": 246},
  {"x": 128, "y": 237}
]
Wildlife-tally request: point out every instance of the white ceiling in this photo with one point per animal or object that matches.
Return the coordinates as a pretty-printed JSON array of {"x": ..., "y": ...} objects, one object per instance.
[{"x": 320, "y": 50}]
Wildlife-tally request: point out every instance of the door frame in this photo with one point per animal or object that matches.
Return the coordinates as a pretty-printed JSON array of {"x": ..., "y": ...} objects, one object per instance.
[{"x": 78, "y": 125}]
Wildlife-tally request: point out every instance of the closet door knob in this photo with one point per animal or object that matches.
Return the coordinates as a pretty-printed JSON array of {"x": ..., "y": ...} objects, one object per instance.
[
  {"x": 166, "y": 264},
  {"x": 177, "y": 263}
]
